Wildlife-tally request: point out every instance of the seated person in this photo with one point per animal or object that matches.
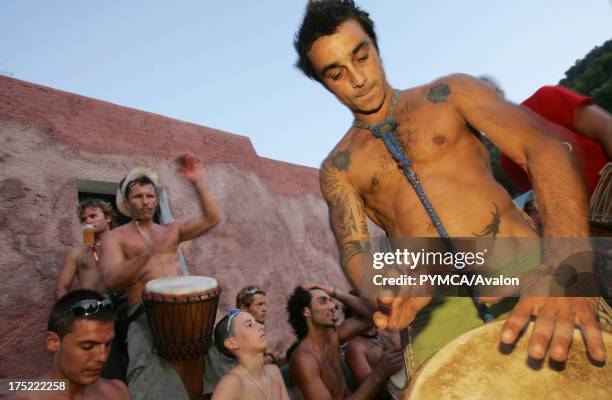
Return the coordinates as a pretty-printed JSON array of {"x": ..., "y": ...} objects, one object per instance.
[
  {"x": 251, "y": 299},
  {"x": 81, "y": 329},
  {"x": 363, "y": 352},
  {"x": 240, "y": 336},
  {"x": 315, "y": 365}
]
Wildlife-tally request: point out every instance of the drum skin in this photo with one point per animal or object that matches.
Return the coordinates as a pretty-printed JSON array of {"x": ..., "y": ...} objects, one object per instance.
[{"x": 476, "y": 366}]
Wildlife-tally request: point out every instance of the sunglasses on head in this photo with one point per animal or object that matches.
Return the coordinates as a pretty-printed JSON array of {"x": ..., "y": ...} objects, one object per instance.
[
  {"x": 230, "y": 316},
  {"x": 253, "y": 289},
  {"x": 88, "y": 307}
]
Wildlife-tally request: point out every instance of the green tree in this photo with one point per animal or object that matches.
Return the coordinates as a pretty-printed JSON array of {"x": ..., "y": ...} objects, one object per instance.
[{"x": 592, "y": 76}]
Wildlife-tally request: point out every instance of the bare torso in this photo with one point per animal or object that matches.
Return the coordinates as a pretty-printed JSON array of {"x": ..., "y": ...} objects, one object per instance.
[
  {"x": 451, "y": 163},
  {"x": 328, "y": 361},
  {"x": 102, "y": 389},
  {"x": 251, "y": 390},
  {"x": 161, "y": 264},
  {"x": 88, "y": 271}
]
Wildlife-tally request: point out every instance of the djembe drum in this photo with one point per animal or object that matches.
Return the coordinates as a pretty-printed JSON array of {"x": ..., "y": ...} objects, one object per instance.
[
  {"x": 181, "y": 312},
  {"x": 600, "y": 213},
  {"x": 475, "y": 366}
]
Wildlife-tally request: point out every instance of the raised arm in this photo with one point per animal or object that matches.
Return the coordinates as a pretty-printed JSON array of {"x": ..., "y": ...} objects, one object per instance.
[
  {"x": 190, "y": 168},
  {"x": 595, "y": 122},
  {"x": 67, "y": 272},
  {"x": 347, "y": 215}
]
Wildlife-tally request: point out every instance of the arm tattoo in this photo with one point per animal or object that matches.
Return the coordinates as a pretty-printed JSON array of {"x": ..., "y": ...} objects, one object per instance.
[
  {"x": 354, "y": 247},
  {"x": 493, "y": 227},
  {"x": 439, "y": 93},
  {"x": 347, "y": 209},
  {"x": 341, "y": 160}
]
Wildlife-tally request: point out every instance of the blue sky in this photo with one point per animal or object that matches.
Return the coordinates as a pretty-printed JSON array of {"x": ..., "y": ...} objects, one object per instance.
[{"x": 229, "y": 64}]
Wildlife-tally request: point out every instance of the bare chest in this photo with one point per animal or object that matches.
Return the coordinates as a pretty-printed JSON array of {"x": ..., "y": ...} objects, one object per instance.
[
  {"x": 331, "y": 373},
  {"x": 430, "y": 137},
  {"x": 136, "y": 241}
]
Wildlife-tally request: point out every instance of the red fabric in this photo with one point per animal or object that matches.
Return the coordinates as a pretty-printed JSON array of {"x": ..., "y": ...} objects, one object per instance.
[{"x": 556, "y": 105}]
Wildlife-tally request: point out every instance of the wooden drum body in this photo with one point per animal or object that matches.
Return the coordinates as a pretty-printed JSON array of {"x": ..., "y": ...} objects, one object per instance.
[
  {"x": 181, "y": 312},
  {"x": 476, "y": 366}
]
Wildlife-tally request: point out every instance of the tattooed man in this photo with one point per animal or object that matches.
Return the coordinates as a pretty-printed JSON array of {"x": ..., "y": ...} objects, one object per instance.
[{"x": 436, "y": 126}]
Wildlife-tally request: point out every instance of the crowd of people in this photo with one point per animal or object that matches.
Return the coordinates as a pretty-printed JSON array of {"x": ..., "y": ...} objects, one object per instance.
[{"x": 401, "y": 164}]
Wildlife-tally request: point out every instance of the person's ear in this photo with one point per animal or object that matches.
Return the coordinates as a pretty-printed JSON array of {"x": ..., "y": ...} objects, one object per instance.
[
  {"x": 53, "y": 342},
  {"x": 109, "y": 219},
  {"x": 231, "y": 344},
  {"x": 307, "y": 312},
  {"x": 243, "y": 307}
]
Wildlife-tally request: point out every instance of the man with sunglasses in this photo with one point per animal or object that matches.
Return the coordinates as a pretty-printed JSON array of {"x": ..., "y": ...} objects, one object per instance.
[
  {"x": 80, "y": 332},
  {"x": 240, "y": 336},
  {"x": 143, "y": 250}
]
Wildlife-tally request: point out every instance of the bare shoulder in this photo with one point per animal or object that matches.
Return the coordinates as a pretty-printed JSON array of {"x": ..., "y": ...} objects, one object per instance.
[
  {"x": 75, "y": 252},
  {"x": 273, "y": 370},
  {"x": 305, "y": 359},
  {"x": 119, "y": 232},
  {"x": 113, "y": 389},
  {"x": 358, "y": 343},
  {"x": 455, "y": 87},
  {"x": 337, "y": 157},
  {"x": 229, "y": 387}
]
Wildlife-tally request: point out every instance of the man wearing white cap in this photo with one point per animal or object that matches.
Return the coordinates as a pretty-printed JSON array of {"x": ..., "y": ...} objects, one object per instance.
[{"x": 141, "y": 251}]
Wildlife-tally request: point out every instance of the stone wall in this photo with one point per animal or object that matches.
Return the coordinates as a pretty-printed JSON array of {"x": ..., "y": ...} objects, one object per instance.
[{"x": 274, "y": 232}]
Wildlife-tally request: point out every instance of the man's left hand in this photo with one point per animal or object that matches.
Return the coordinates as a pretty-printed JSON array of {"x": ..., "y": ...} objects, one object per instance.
[{"x": 554, "y": 324}]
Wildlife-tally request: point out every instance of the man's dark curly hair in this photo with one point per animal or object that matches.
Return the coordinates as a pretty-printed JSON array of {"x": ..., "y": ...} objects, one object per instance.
[
  {"x": 322, "y": 18},
  {"x": 299, "y": 300}
]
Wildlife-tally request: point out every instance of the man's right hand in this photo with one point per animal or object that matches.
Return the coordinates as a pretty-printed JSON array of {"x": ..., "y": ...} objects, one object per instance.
[
  {"x": 397, "y": 313},
  {"x": 389, "y": 363}
]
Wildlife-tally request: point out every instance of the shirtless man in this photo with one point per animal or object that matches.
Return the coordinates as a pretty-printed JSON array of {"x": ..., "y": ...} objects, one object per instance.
[
  {"x": 80, "y": 334},
  {"x": 81, "y": 261},
  {"x": 436, "y": 126},
  {"x": 315, "y": 364},
  {"x": 364, "y": 351},
  {"x": 141, "y": 251},
  {"x": 239, "y": 335}
]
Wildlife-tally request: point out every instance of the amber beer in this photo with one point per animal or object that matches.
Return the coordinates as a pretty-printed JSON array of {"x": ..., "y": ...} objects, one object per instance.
[{"x": 88, "y": 234}]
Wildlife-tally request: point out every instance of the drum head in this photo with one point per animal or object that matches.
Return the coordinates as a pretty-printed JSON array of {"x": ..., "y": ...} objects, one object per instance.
[
  {"x": 180, "y": 285},
  {"x": 475, "y": 366}
]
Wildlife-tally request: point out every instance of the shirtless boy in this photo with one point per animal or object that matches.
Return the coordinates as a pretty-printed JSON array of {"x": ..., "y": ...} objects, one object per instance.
[{"x": 239, "y": 335}]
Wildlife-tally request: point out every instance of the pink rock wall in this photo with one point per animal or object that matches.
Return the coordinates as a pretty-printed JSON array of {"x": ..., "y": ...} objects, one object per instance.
[{"x": 274, "y": 231}]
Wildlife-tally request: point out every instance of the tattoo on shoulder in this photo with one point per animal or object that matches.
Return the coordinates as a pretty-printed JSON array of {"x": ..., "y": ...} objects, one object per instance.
[
  {"x": 491, "y": 229},
  {"x": 341, "y": 160},
  {"x": 439, "y": 93}
]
